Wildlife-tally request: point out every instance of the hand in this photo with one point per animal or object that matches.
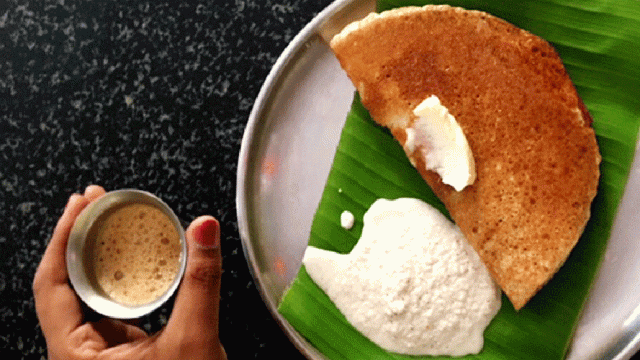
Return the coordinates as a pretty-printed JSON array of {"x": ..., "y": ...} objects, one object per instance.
[{"x": 191, "y": 332}]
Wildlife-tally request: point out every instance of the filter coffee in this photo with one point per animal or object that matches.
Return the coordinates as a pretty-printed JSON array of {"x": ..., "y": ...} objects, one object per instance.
[{"x": 135, "y": 254}]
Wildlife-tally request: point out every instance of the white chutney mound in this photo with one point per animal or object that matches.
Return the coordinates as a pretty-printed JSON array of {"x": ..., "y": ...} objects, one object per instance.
[{"x": 412, "y": 284}]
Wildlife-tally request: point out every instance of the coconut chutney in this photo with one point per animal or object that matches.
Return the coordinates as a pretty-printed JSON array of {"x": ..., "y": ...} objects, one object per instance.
[{"x": 412, "y": 284}]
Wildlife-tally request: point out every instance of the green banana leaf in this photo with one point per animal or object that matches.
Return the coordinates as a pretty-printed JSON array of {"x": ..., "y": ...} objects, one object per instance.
[{"x": 599, "y": 42}]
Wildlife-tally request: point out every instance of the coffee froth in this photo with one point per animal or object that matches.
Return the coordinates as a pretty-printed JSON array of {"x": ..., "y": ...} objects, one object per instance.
[{"x": 135, "y": 254}]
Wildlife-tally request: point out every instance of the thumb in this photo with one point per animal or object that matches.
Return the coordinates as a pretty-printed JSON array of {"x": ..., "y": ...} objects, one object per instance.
[{"x": 195, "y": 314}]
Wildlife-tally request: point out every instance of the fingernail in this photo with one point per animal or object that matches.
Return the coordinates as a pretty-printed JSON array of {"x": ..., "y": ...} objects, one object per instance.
[
  {"x": 70, "y": 200},
  {"x": 207, "y": 235}
]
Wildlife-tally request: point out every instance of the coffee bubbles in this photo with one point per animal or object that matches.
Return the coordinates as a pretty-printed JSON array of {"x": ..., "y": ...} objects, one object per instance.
[{"x": 134, "y": 255}]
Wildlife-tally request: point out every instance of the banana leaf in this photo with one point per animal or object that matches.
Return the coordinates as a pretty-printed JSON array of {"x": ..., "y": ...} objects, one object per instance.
[{"x": 599, "y": 42}]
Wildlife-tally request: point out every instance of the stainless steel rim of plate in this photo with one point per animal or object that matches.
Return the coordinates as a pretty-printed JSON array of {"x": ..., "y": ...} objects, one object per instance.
[{"x": 326, "y": 24}]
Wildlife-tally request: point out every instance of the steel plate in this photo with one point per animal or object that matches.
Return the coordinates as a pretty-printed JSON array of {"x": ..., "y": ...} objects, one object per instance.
[{"x": 285, "y": 157}]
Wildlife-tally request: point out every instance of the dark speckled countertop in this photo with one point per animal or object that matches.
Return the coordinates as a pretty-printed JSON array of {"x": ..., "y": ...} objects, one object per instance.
[{"x": 143, "y": 94}]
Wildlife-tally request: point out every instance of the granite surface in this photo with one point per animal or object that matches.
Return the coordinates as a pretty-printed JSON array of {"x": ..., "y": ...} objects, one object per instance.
[{"x": 143, "y": 94}]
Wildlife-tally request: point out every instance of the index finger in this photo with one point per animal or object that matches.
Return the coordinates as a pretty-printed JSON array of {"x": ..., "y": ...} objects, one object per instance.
[{"x": 56, "y": 303}]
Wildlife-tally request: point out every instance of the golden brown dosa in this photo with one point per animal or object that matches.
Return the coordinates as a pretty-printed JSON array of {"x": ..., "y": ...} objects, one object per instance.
[{"x": 535, "y": 151}]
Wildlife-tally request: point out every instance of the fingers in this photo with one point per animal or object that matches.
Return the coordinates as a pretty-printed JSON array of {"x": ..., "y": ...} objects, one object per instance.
[
  {"x": 57, "y": 306},
  {"x": 52, "y": 269},
  {"x": 56, "y": 303},
  {"x": 93, "y": 192},
  {"x": 195, "y": 312}
]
